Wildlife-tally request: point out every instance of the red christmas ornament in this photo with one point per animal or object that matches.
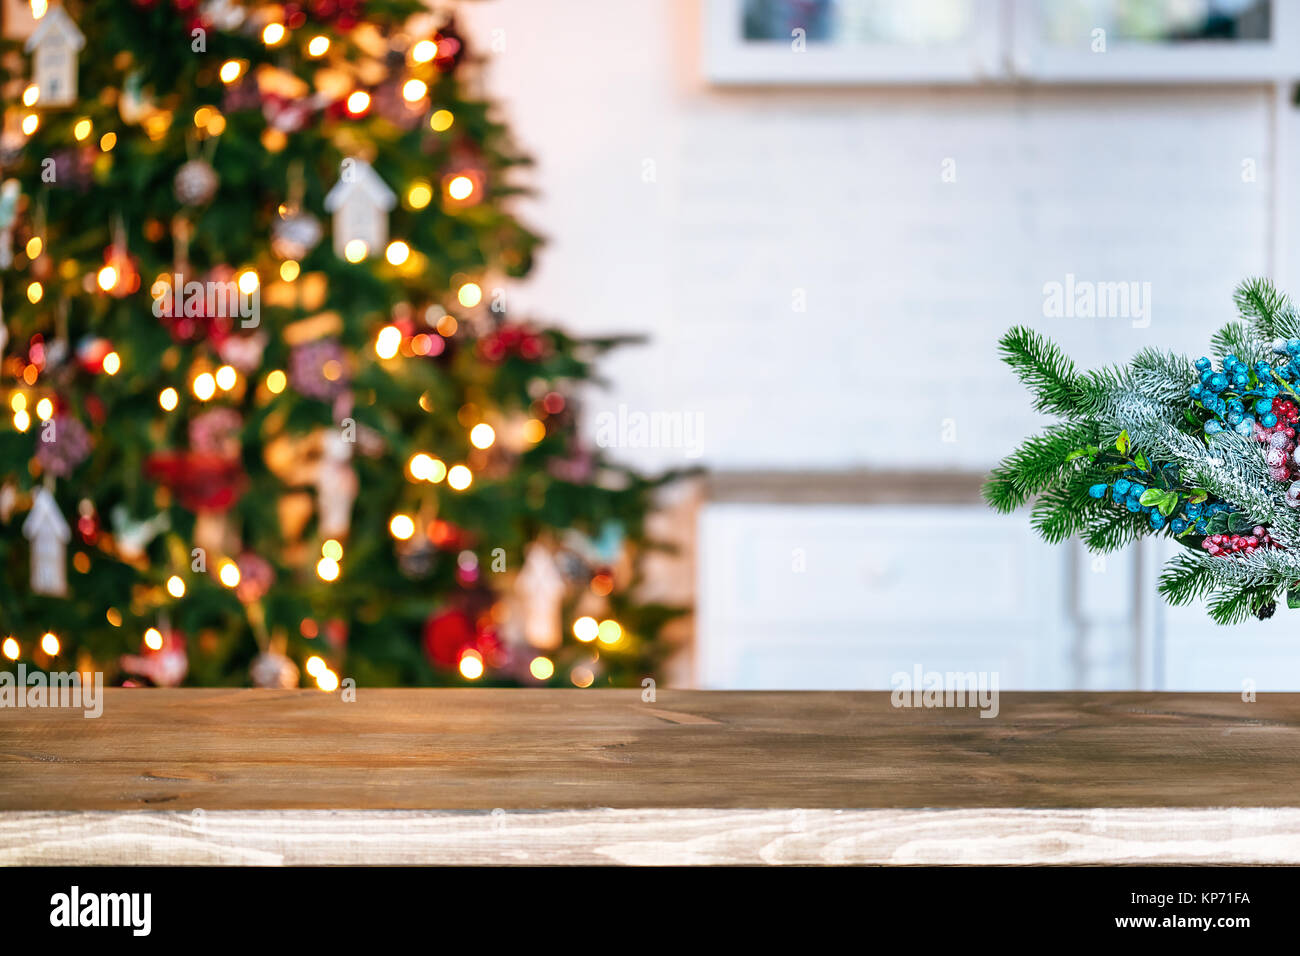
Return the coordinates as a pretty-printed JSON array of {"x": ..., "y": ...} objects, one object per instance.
[
  {"x": 199, "y": 481},
  {"x": 449, "y": 537},
  {"x": 511, "y": 339},
  {"x": 447, "y": 635},
  {"x": 165, "y": 666}
]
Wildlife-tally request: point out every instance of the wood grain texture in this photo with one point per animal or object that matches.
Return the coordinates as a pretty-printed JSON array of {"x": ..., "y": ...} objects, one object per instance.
[
  {"x": 662, "y": 837},
  {"x": 482, "y": 749}
]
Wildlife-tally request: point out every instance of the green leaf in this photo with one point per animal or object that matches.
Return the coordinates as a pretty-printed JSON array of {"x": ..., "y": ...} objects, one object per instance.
[
  {"x": 1077, "y": 453},
  {"x": 1168, "y": 503},
  {"x": 1151, "y": 496},
  {"x": 1122, "y": 443},
  {"x": 1197, "y": 495},
  {"x": 1238, "y": 522},
  {"x": 1141, "y": 461},
  {"x": 1293, "y": 597},
  {"x": 1093, "y": 450},
  {"x": 1217, "y": 523}
]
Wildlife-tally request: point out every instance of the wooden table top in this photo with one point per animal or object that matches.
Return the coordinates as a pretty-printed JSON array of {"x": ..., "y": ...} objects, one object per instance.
[{"x": 810, "y": 756}]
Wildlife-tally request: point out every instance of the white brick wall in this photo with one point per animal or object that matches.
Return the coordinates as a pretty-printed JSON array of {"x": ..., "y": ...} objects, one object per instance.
[{"x": 909, "y": 280}]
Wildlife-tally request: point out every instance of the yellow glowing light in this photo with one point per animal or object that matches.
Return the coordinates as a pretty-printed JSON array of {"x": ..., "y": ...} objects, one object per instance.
[
  {"x": 50, "y": 644},
  {"x": 447, "y": 326},
  {"x": 534, "y": 431},
  {"x": 175, "y": 586},
  {"x": 327, "y": 569},
  {"x": 107, "y": 141},
  {"x": 327, "y": 681},
  {"x": 31, "y": 94},
  {"x": 205, "y": 386},
  {"x": 226, "y": 378},
  {"x": 358, "y": 102},
  {"x": 355, "y": 250},
  {"x": 289, "y": 270},
  {"x": 424, "y": 51},
  {"x": 582, "y": 676},
  {"x": 112, "y": 363},
  {"x": 107, "y": 278},
  {"x": 153, "y": 639},
  {"x": 419, "y": 195},
  {"x": 45, "y": 409},
  {"x": 460, "y": 187},
  {"x": 217, "y": 125},
  {"x": 35, "y": 292},
  {"x": 401, "y": 526},
  {"x": 168, "y": 398},
  {"x": 229, "y": 574},
  {"x": 414, "y": 90},
  {"x": 541, "y": 668},
  {"x": 276, "y": 382},
  {"x": 82, "y": 129},
  {"x": 230, "y": 71},
  {"x": 332, "y": 549},
  {"x": 39, "y": 8},
  {"x": 18, "y": 401},
  {"x": 586, "y": 629},
  {"x": 114, "y": 616},
  {"x": 248, "y": 282},
  {"x": 202, "y": 115},
  {"x": 437, "y": 471},
  {"x": 11, "y": 649},
  {"x": 332, "y": 369},
  {"x": 318, "y": 45},
  {"x": 388, "y": 341},
  {"x": 273, "y": 34},
  {"x": 31, "y": 123},
  {"x": 22, "y": 421},
  {"x": 609, "y": 632},
  {"x": 470, "y": 295},
  {"x": 397, "y": 252},
  {"x": 34, "y": 246},
  {"x": 441, "y": 121},
  {"x": 421, "y": 467},
  {"x": 482, "y": 435},
  {"x": 315, "y": 665},
  {"x": 460, "y": 477},
  {"x": 471, "y": 665}
]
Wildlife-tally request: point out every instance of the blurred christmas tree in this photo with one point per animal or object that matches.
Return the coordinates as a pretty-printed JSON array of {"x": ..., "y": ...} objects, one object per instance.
[{"x": 266, "y": 410}]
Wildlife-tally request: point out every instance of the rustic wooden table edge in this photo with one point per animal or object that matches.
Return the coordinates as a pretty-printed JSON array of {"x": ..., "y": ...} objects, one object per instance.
[
  {"x": 653, "y": 837},
  {"x": 691, "y": 777}
]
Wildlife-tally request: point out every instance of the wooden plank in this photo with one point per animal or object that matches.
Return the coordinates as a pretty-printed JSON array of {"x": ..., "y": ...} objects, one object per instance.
[
  {"x": 483, "y": 749},
  {"x": 663, "y": 837}
]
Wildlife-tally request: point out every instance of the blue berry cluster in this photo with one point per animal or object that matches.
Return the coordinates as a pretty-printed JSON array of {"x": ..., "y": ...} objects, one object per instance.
[
  {"x": 1249, "y": 392},
  {"x": 1128, "y": 491}
]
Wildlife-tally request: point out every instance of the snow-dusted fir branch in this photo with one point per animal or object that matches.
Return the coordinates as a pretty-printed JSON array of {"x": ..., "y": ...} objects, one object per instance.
[{"x": 1170, "y": 446}]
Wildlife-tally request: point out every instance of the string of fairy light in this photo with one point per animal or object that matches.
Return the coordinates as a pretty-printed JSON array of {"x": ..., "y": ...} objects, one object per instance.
[{"x": 391, "y": 345}]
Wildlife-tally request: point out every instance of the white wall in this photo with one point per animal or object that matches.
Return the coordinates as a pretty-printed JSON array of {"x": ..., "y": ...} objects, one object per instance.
[{"x": 909, "y": 280}]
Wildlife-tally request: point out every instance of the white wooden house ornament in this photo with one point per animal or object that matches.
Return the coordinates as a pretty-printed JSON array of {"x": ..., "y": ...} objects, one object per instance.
[
  {"x": 360, "y": 202},
  {"x": 336, "y": 488},
  {"x": 540, "y": 588},
  {"x": 49, "y": 534},
  {"x": 55, "y": 43}
]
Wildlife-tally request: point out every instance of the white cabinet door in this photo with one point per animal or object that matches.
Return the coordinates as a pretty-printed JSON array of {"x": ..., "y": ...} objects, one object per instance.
[{"x": 844, "y": 596}]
